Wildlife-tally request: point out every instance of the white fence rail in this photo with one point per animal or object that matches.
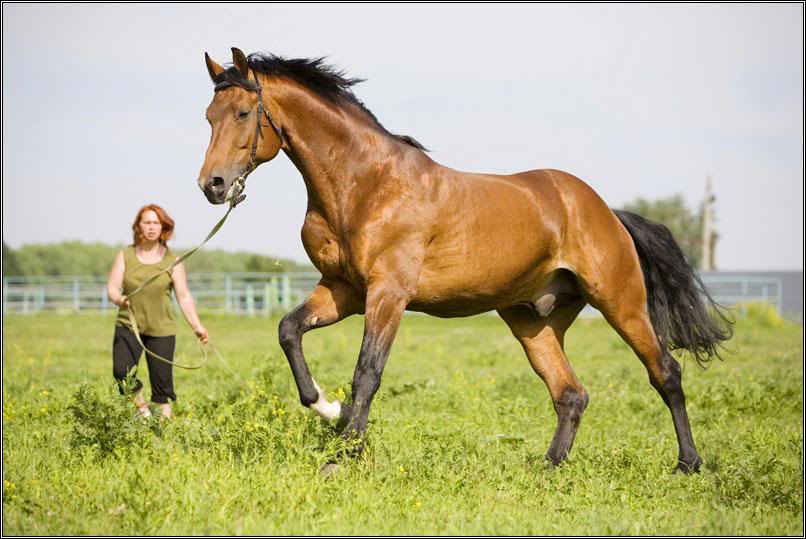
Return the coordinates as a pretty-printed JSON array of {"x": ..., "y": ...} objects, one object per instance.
[
  {"x": 249, "y": 294},
  {"x": 734, "y": 291},
  {"x": 742, "y": 289},
  {"x": 264, "y": 294}
]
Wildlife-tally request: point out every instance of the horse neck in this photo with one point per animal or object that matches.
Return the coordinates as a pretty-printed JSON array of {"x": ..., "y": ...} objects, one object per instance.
[{"x": 329, "y": 146}]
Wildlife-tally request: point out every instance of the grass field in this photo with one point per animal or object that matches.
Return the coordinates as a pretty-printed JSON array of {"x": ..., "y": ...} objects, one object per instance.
[{"x": 456, "y": 437}]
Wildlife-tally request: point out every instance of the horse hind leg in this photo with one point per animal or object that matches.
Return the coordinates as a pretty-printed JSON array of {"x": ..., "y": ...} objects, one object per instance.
[
  {"x": 542, "y": 340},
  {"x": 665, "y": 376},
  {"x": 627, "y": 313}
]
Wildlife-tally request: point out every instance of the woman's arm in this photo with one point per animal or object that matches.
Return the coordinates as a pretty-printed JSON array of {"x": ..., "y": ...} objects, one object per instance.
[
  {"x": 115, "y": 281},
  {"x": 185, "y": 301}
]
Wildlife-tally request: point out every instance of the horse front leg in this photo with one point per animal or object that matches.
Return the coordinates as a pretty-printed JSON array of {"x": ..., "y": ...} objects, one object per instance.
[
  {"x": 384, "y": 311},
  {"x": 329, "y": 302}
]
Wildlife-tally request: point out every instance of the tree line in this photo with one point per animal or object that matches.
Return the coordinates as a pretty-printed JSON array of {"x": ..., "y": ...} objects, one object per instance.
[
  {"x": 684, "y": 223},
  {"x": 78, "y": 258}
]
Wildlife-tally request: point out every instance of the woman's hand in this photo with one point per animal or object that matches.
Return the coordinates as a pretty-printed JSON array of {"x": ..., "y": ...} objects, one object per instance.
[
  {"x": 201, "y": 333},
  {"x": 123, "y": 302}
]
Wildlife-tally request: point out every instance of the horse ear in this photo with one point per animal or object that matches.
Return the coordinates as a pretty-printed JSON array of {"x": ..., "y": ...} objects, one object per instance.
[
  {"x": 239, "y": 60},
  {"x": 213, "y": 68}
]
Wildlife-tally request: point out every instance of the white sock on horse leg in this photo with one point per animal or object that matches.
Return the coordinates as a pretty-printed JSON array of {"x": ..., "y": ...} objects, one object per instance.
[{"x": 327, "y": 410}]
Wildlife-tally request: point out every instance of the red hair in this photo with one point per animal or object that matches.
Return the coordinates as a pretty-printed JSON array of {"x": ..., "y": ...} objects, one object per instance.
[{"x": 165, "y": 220}]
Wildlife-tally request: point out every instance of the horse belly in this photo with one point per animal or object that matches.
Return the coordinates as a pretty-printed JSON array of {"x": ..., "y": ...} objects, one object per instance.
[{"x": 487, "y": 264}]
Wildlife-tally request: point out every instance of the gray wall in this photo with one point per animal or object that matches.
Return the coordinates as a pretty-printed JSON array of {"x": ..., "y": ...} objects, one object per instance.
[{"x": 792, "y": 289}]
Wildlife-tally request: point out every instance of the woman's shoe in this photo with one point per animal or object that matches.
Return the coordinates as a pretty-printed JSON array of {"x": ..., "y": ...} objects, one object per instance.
[{"x": 143, "y": 410}]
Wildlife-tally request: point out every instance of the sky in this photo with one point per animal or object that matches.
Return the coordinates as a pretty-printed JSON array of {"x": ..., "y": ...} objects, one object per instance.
[{"x": 103, "y": 109}]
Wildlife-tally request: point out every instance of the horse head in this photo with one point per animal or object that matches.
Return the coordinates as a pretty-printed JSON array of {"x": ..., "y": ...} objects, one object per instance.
[{"x": 241, "y": 137}]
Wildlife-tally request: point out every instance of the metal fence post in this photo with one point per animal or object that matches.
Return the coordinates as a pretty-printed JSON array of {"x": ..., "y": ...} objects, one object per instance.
[
  {"x": 250, "y": 300},
  {"x": 742, "y": 304},
  {"x": 275, "y": 294},
  {"x": 779, "y": 300},
  {"x": 76, "y": 295},
  {"x": 266, "y": 300},
  {"x": 227, "y": 294},
  {"x": 286, "y": 292}
]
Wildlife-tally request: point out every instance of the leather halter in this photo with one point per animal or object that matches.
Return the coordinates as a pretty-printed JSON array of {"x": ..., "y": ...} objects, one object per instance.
[{"x": 235, "y": 194}]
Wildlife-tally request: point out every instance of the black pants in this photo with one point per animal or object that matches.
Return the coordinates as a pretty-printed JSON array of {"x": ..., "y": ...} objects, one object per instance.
[{"x": 126, "y": 352}]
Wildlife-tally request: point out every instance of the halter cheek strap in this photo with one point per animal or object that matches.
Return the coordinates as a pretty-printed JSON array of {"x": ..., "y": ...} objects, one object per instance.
[
  {"x": 266, "y": 112},
  {"x": 234, "y": 195}
]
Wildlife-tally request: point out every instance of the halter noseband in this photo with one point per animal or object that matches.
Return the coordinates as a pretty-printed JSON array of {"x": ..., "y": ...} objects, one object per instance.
[{"x": 234, "y": 195}]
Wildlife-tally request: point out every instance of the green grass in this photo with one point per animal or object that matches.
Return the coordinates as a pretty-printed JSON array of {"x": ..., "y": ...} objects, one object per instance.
[{"x": 456, "y": 437}]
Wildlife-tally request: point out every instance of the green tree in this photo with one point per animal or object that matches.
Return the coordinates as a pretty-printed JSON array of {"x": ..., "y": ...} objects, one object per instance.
[
  {"x": 11, "y": 265},
  {"x": 77, "y": 258},
  {"x": 685, "y": 225},
  {"x": 217, "y": 261},
  {"x": 66, "y": 258}
]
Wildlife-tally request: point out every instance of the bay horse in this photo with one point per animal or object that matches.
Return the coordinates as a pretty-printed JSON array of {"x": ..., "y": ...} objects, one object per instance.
[{"x": 391, "y": 230}]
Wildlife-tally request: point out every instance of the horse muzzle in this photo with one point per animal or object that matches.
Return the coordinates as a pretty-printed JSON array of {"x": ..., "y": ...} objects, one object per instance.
[{"x": 215, "y": 189}]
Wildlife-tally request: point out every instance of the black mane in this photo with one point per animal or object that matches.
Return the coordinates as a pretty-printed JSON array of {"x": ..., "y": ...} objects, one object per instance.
[{"x": 328, "y": 82}]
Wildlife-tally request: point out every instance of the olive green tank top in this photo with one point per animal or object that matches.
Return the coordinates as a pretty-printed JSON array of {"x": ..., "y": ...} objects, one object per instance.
[{"x": 152, "y": 305}]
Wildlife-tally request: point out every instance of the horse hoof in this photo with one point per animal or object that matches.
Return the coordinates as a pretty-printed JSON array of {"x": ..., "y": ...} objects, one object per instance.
[
  {"x": 685, "y": 468},
  {"x": 330, "y": 469},
  {"x": 344, "y": 417},
  {"x": 552, "y": 463}
]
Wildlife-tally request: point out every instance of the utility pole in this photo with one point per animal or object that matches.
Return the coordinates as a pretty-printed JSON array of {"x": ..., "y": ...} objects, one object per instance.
[{"x": 706, "y": 263}]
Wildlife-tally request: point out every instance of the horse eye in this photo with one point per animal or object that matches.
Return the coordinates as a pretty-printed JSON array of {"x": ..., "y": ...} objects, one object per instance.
[{"x": 243, "y": 114}]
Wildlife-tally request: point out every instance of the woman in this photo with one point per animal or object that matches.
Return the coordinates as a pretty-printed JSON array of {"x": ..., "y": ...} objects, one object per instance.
[{"x": 147, "y": 256}]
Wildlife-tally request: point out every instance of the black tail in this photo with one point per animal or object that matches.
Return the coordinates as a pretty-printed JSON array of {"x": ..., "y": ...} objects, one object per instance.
[{"x": 678, "y": 301}]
